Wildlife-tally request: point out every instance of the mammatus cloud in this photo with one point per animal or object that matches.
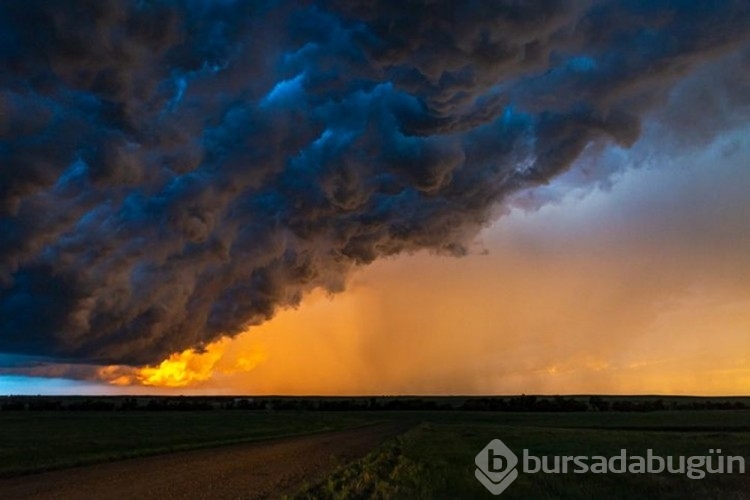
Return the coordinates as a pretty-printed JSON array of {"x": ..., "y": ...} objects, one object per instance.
[{"x": 174, "y": 172}]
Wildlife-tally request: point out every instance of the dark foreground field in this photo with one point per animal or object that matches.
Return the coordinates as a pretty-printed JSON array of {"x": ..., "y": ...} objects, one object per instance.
[
  {"x": 38, "y": 441},
  {"x": 363, "y": 454},
  {"x": 267, "y": 468}
]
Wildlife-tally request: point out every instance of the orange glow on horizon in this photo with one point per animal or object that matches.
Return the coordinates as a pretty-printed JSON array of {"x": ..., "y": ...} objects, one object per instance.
[
  {"x": 478, "y": 336},
  {"x": 182, "y": 369},
  {"x": 189, "y": 368}
]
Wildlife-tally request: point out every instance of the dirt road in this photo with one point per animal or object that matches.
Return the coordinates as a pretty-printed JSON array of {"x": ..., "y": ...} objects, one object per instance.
[{"x": 252, "y": 470}]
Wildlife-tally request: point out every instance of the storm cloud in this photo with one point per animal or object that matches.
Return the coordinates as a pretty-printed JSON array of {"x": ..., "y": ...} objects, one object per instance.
[{"x": 175, "y": 172}]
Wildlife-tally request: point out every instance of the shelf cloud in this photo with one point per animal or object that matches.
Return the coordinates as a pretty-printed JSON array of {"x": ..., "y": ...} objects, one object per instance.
[{"x": 175, "y": 172}]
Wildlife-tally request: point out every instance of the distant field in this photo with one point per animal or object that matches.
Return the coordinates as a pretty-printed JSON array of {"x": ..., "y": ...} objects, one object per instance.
[
  {"x": 436, "y": 458},
  {"x": 34, "y": 441}
]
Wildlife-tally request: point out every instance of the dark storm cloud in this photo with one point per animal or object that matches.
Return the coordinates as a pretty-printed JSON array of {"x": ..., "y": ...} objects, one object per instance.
[{"x": 171, "y": 172}]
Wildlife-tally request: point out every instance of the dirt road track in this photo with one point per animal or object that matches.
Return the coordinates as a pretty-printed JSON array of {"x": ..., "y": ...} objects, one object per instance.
[{"x": 252, "y": 470}]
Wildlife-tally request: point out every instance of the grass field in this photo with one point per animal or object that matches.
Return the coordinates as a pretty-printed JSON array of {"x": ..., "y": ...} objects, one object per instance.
[
  {"x": 35, "y": 441},
  {"x": 436, "y": 458}
]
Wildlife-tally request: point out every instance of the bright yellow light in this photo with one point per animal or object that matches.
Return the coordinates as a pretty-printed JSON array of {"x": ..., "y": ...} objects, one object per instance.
[{"x": 185, "y": 369}]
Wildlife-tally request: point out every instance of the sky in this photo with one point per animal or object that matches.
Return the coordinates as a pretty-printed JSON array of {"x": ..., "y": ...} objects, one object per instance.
[{"x": 375, "y": 198}]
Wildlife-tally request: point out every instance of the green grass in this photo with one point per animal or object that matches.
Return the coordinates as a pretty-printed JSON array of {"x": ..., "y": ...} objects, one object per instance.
[
  {"x": 436, "y": 458},
  {"x": 33, "y": 441}
]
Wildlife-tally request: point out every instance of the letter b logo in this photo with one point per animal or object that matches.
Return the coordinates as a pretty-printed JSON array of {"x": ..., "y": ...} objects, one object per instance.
[
  {"x": 496, "y": 466},
  {"x": 496, "y": 463}
]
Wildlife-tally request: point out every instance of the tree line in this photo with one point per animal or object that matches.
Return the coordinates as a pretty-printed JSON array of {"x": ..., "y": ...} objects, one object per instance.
[{"x": 522, "y": 403}]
